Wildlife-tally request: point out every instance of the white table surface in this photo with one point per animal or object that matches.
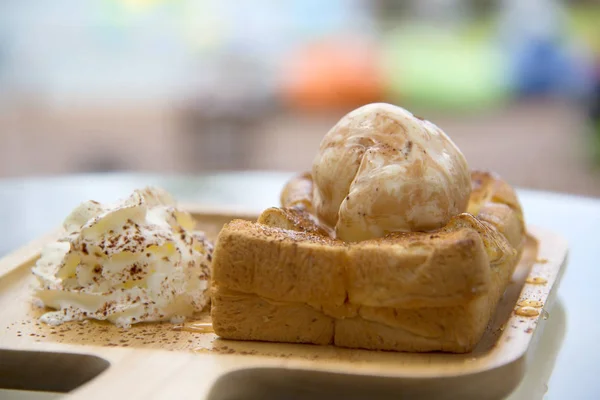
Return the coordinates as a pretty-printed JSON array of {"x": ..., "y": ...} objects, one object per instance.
[{"x": 31, "y": 207}]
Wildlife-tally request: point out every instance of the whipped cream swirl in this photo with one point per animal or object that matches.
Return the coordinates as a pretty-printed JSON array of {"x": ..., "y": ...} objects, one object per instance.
[{"x": 138, "y": 260}]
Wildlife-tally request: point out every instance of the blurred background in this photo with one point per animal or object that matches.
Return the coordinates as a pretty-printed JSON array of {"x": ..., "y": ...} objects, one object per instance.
[{"x": 191, "y": 86}]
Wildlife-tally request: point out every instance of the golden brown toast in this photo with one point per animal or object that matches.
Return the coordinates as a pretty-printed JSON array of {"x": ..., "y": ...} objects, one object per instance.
[{"x": 284, "y": 278}]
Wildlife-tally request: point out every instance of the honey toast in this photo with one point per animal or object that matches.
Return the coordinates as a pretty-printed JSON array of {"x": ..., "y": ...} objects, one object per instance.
[{"x": 285, "y": 278}]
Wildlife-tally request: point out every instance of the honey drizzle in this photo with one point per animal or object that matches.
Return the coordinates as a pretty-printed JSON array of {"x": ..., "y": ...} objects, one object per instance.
[
  {"x": 536, "y": 280},
  {"x": 530, "y": 303},
  {"x": 527, "y": 311}
]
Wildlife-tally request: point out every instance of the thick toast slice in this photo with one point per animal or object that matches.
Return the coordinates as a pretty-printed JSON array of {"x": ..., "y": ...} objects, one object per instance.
[{"x": 285, "y": 279}]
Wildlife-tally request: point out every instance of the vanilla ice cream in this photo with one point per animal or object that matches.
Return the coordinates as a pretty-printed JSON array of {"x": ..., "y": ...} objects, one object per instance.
[
  {"x": 134, "y": 261},
  {"x": 381, "y": 169}
]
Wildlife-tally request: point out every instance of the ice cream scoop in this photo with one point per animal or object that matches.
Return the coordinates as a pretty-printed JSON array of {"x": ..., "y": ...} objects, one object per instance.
[
  {"x": 137, "y": 260},
  {"x": 381, "y": 169}
]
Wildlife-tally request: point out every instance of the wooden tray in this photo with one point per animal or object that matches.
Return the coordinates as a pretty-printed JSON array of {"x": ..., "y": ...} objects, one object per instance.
[{"x": 166, "y": 361}]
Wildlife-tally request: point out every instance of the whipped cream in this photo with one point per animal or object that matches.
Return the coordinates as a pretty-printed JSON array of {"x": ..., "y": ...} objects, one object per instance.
[
  {"x": 380, "y": 169},
  {"x": 138, "y": 260}
]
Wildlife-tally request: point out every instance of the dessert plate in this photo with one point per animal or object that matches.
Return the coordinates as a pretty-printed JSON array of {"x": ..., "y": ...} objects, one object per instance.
[{"x": 189, "y": 361}]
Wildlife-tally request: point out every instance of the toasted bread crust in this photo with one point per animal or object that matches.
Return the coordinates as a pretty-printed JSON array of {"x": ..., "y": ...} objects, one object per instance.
[
  {"x": 284, "y": 278},
  {"x": 297, "y": 193}
]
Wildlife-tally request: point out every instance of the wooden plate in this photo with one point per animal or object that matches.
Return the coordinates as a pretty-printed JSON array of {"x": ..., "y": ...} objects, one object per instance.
[{"x": 170, "y": 361}]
